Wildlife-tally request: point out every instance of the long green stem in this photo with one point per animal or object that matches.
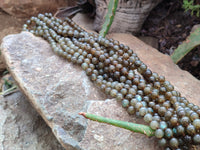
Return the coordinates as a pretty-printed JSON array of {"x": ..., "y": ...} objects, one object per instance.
[
  {"x": 112, "y": 6},
  {"x": 139, "y": 128}
]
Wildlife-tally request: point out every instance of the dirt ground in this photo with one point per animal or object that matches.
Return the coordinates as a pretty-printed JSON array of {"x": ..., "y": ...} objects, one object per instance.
[
  {"x": 170, "y": 24},
  {"x": 9, "y": 24}
]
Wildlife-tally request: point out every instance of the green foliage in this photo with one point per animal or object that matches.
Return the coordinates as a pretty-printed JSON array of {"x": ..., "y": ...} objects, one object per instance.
[
  {"x": 8, "y": 87},
  {"x": 190, "y": 43},
  {"x": 139, "y": 128},
  {"x": 188, "y": 5},
  {"x": 9, "y": 91},
  {"x": 112, "y": 6}
]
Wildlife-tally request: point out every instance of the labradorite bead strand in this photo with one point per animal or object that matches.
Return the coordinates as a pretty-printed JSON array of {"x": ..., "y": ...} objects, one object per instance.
[{"x": 120, "y": 73}]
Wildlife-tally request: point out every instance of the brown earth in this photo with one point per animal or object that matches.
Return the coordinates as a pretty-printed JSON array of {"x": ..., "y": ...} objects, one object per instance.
[{"x": 170, "y": 24}]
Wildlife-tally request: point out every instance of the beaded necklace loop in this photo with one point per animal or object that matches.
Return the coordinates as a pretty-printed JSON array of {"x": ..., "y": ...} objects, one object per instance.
[{"x": 119, "y": 72}]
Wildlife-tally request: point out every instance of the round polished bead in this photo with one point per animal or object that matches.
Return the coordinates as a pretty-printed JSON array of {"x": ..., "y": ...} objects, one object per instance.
[
  {"x": 107, "y": 90},
  {"x": 168, "y": 115},
  {"x": 93, "y": 77},
  {"x": 147, "y": 90},
  {"x": 174, "y": 121},
  {"x": 113, "y": 92},
  {"x": 154, "y": 94},
  {"x": 180, "y": 130},
  {"x": 132, "y": 91},
  {"x": 196, "y": 139},
  {"x": 139, "y": 98},
  {"x": 161, "y": 99},
  {"x": 152, "y": 104},
  {"x": 147, "y": 73},
  {"x": 133, "y": 102},
  {"x": 143, "y": 111},
  {"x": 163, "y": 125},
  {"x": 142, "y": 68},
  {"x": 181, "y": 113},
  {"x": 130, "y": 75},
  {"x": 167, "y": 104},
  {"x": 162, "y": 111},
  {"x": 123, "y": 91},
  {"x": 196, "y": 124},
  {"x": 168, "y": 133},
  {"x": 131, "y": 110},
  {"x": 159, "y": 133},
  {"x": 84, "y": 66},
  {"x": 148, "y": 117},
  {"x": 194, "y": 116},
  {"x": 125, "y": 103},
  {"x": 162, "y": 142},
  {"x": 119, "y": 96},
  {"x": 174, "y": 143},
  {"x": 190, "y": 130},
  {"x": 185, "y": 121},
  {"x": 138, "y": 105}
]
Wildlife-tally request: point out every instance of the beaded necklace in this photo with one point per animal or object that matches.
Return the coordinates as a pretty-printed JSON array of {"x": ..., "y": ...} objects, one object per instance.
[{"x": 119, "y": 72}]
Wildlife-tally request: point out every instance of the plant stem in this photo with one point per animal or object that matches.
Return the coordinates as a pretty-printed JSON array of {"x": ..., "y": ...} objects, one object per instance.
[
  {"x": 112, "y": 6},
  {"x": 190, "y": 43},
  {"x": 139, "y": 128},
  {"x": 8, "y": 91}
]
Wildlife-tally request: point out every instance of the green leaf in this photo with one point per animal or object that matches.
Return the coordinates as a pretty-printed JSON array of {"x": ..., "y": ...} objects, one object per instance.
[
  {"x": 112, "y": 6},
  {"x": 190, "y": 43},
  {"x": 139, "y": 128},
  {"x": 189, "y": 5}
]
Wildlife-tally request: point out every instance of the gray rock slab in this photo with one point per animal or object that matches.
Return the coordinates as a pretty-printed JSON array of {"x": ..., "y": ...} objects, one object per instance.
[
  {"x": 22, "y": 128},
  {"x": 59, "y": 90}
]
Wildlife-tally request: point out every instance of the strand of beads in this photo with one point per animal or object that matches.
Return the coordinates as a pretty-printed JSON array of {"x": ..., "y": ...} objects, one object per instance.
[{"x": 119, "y": 72}]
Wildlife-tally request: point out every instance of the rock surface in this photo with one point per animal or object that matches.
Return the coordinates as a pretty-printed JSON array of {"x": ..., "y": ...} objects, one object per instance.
[
  {"x": 60, "y": 90},
  {"x": 22, "y": 128},
  {"x": 27, "y": 8}
]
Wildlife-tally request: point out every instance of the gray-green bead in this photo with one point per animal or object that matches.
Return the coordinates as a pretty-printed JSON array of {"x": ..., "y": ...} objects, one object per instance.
[
  {"x": 131, "y": 110},
  {"x": 113, "y": 93},
  {"x": 174, "y": 143},
  {"x": 143, "y": 111},
  {"x": 125, "y": 103},
  {"x": 159, "y": 133},
  {"x": 148, "y": 118},
  {"x": 196, "y": 124},
  {"x": 162, "y": 142},
  {"x": 154, "y": 125},
  {"x": 168, "y": 133},
  {"x": 196, "y": 139}
]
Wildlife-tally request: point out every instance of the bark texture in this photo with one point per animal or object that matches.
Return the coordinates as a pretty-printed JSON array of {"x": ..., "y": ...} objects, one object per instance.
[{"x": 129, "y": 16}]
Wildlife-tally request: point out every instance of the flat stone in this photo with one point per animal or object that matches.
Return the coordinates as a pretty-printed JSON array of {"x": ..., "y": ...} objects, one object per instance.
[
  {"x": 59, "y": 90},
  {"x": 22, "y": 128},
  {"x": 152, "y": 41},
  {"x": 85, "y": 21}
]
